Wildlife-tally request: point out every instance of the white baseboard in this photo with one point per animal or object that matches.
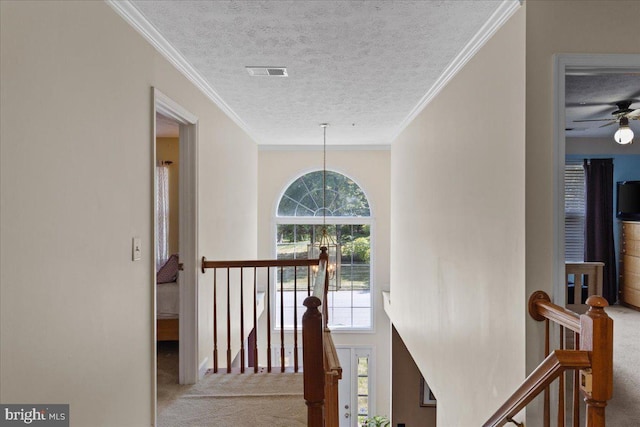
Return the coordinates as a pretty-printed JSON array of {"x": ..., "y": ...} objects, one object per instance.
[{"x": 203, "y": 367}]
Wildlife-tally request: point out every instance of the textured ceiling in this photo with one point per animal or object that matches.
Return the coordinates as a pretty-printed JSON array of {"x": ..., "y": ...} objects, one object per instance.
[
  {"x": 594, "y": 96},
  {"x": 361, "y": 66}
]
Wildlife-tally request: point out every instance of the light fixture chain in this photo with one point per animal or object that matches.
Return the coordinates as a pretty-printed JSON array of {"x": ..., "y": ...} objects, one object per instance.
[{"x": 324, "y": 180}]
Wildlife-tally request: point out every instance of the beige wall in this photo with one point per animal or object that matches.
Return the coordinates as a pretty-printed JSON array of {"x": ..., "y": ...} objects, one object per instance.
[
  {"x": 457, "y": 236},
  {"x": 552, "y": 28},
  {"x": 370, "y": 169},
  {"x": 76, "y": 186},
  {"x": 406, "y": 385},
  {"x": 168, "y": 149}
]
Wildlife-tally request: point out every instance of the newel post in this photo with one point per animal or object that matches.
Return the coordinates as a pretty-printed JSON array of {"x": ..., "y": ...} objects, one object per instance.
[
  {"x": 597, "y": 337},
  {"x": 313, "y": 361}
]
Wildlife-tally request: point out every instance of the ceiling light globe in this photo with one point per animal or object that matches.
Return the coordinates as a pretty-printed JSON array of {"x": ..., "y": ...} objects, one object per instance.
[{"x": 624, "y": 135}]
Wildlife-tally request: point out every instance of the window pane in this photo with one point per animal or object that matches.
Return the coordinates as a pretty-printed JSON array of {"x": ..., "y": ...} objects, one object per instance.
[
  {"x": 363, "y": 366},
  {"x": 363, "y": 405},
  {"x": 363, "y": 385},
  {"x": 304, "y": 197},
  {"x": 350, "y": 305},
  {"x": 574, "y": 208}
]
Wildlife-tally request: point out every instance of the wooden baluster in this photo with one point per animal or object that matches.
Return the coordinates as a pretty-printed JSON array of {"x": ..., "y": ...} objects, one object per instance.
[
  {"x": 242, "y": 320},
  {"x": 561, "y": 390},
  {"x": 295, "y": 319},
  {"x": 215, "y": 321},
  {"x": 255, "y": 320},
  {"x": 577, "y": 288},
  {"x": 228, "y": 320},
  {"x": 313, "y": 361},
  {"x": 309, "y": 270},
  {"x": 576, "y": 385},
  {"x": 547, "y": 401},
  {"x": 268, "y": 320},
  {"x": 281, "y": 319},
  {"x": 597, "y": 337}
]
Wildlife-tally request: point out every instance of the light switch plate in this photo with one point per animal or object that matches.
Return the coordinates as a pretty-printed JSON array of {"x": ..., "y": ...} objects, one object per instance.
[{"x": 136, "y": 249}]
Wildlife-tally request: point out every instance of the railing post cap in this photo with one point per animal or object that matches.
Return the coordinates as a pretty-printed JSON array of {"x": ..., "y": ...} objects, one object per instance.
[
  {"x": 596, "y": 301},
  {"x": 312, "y": 302}
]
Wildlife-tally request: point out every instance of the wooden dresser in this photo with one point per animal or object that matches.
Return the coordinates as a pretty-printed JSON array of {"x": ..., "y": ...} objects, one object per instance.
[{"x": 630, "y": 264}]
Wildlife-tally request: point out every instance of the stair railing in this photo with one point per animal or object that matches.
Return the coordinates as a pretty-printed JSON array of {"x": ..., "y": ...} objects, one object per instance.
[
  {"x": 322, "y": 369},
  {"x": 233, "y": 276},
  {"x": 590, "y": 360}
]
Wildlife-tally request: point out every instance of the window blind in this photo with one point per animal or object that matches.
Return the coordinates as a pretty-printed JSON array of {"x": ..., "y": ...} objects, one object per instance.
[{"x": 574, "y": 210}]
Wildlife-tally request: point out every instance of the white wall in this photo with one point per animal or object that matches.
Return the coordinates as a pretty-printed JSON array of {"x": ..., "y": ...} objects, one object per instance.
[
  {"x": 370, "y": 170},
  {"x": 553, "y": 28},
  {"x": 457, "y": 235},
  {"x": 76, "y": 186}
]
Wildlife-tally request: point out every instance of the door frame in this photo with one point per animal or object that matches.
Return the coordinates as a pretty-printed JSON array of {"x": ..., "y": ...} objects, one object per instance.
[
  {"x": 593, "y": 63},
  {"x": 188, "y": 240}
]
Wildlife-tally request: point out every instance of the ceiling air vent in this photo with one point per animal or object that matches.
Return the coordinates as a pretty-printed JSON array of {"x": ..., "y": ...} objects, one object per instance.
[{"x": 267, "y": 71}]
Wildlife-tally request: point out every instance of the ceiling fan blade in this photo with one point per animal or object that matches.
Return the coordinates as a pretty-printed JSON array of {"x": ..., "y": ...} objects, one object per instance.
[
  {"x": 595, "y": 120},
  {"x": 634, "y": 114},
  {"x": 609, "y": 124}
]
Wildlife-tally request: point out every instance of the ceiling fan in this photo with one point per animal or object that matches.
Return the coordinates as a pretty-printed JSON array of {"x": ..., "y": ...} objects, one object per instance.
[{"x": 624, "y": 134}]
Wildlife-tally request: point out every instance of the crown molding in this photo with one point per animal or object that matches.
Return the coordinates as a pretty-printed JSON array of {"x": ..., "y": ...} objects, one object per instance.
[
  {"x": 506, "y": 9},
  {"x": 139, "y": 22}
]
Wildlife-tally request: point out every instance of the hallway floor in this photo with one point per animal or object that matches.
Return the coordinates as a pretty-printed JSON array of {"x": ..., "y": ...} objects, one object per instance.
[{"x": 227, "y": 400}]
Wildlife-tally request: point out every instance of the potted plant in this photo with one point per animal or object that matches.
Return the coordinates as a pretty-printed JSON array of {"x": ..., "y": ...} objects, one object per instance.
[{"x": 377, "y": 421}]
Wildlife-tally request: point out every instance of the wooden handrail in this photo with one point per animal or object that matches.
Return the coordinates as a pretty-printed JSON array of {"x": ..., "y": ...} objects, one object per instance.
[
  {"x": 541, "y": 308},
  {"x": 333, "y": 374},
  {"x": 322, "y": 369},
  {"x": 550, "y": 369},
  {"x": 591, "y": 358},
  {"x": 258, "y": 263}
]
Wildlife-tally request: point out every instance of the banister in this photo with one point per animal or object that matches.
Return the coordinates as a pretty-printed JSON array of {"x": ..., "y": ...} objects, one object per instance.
[
  {"x": 333, "y": 374},
  {"x": 592, "y": 355},
  {"x": 332, "y": 364},
  {"x": 541, "y": 308},
  {"x": 259, "y": 263},
  {"x": 550, "y": 369}
]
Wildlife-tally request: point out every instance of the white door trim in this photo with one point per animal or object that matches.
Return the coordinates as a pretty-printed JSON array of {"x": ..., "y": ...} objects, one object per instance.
[
  {"x": 188, "y": 241},
  {"x": 588, "y": 63}
]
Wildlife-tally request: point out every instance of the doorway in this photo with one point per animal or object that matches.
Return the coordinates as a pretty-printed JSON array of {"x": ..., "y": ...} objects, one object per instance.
[
  {"x": 585, "y": 65},
  {"x": 166, "y": 111},
  {"x": 355, "y": 393}
]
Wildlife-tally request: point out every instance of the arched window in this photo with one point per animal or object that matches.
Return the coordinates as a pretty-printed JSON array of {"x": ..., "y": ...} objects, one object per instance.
[{"x": 348, "y": 217}]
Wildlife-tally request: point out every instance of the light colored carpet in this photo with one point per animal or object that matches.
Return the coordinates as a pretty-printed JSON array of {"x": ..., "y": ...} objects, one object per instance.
[
  {"x": 623, "y": 409},
  {"x": 230, "y": 400}
]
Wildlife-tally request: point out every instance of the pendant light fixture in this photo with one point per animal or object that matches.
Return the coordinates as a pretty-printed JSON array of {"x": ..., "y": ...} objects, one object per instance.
[
  {"x": 326, "y": 240},
  {"x": 624, "y": 134}
]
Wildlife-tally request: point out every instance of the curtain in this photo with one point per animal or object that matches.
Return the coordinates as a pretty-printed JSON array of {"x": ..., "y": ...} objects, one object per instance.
[
  {"x": 162, "y": 214},
  {"x": 599, "y": 244}
]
